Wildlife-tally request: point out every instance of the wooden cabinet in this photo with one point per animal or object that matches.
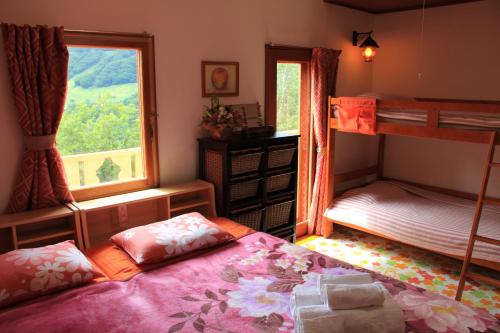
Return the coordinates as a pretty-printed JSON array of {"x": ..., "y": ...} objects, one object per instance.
[
  {"x": 104, "y": 217},
  {"x": 255, "y": 180},
  {"x": 39, "y": 228}
]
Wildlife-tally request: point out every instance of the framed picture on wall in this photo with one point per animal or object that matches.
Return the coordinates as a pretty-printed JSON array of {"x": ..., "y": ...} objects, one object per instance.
[{"x": 219, "y": 78}]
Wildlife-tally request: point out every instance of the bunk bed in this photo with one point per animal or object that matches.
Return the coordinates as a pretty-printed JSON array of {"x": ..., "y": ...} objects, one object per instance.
[{"x": 456, "y": 224}]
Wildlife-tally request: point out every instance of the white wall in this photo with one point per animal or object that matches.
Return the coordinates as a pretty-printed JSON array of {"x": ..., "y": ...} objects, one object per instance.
[
  {"x": 187, "y": 32},
  {"x": 460, "y": 59}
]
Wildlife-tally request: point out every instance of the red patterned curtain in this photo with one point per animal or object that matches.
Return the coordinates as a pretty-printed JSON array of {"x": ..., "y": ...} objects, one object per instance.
[
  {"x": 324, "y": 66},
  {"x": 38, "y": 64}
]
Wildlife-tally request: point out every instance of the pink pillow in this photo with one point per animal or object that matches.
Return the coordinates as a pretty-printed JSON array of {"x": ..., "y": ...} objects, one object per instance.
[
  {"x": 158, "y": 241},
  {"x": 28, "y": 273}
]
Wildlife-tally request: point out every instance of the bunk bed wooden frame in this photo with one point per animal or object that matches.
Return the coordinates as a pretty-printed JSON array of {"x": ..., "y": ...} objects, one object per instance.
[{"x": 434, "y": 129}]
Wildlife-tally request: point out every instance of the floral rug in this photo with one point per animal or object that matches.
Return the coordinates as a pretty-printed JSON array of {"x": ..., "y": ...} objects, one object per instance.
[{"x": 433, "y": 272}]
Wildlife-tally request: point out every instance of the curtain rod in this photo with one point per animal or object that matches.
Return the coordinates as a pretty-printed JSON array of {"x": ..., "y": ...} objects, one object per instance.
[
  {"x": 132, "y": 34},
  {"x": 271, "y": 44},
  {"x": 83, "y": 31}
]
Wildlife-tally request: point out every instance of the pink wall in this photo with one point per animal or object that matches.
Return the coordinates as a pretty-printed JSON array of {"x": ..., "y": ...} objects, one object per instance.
[
  {"x": 186, "y": 32},
  {"x": 460, "y": 59}
]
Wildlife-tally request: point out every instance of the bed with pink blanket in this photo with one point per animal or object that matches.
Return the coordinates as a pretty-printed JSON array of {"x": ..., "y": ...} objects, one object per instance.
[
  {"x": 243, "y": 286},
  {"x": 418, "y": 217}
]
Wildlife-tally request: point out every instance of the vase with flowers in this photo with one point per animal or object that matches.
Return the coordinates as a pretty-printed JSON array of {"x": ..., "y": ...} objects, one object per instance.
[{"x": 220, "y": 120}]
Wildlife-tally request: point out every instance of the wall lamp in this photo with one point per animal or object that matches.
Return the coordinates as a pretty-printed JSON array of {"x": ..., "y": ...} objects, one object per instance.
[{"x": 368, "y": 46}]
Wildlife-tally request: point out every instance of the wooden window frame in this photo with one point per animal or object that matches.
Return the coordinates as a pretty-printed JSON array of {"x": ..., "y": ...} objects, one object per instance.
[
  {"x": 147, "y": 107},
  {"x": 292, "y": 54}
]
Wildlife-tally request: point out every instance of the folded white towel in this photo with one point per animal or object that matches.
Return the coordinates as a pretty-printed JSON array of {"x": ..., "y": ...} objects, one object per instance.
[
  {"x": 312, "y": 296},
  {"x": 347, "y": 296},
  {"x": 313, "y": 312},
  {"x": 378, "y": 319},
  {"x": 317, "y": 319},
  {"x": 304, "y": 297},
  {"x": 361, "y": 278}
]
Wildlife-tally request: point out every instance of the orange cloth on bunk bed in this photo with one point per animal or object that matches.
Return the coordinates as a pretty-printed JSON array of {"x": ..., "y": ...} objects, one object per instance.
[
  {"x": 116, "y": 264},
  {"x": 357, "y": 115}
]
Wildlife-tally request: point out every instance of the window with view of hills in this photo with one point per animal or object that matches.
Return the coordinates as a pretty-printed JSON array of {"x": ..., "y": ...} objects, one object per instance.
[{"x": 103, "y": 133}]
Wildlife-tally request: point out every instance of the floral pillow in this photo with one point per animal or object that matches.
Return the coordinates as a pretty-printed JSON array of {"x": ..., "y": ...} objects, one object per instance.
[
  {"x": 158, "y": 241},
  {"x": 28, "y": 273}
]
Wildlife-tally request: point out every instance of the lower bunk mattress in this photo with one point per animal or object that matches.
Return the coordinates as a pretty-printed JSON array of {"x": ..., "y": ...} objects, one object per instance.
[{"x": 418, "y": 217}]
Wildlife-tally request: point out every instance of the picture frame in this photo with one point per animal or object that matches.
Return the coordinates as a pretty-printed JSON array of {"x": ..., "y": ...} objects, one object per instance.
[
  {"x": 251, "y": 114},
  {"x": 219, "y": 78}
]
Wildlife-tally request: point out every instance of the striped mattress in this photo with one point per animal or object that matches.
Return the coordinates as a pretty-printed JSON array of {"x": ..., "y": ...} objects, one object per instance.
[
  {"x": 447, "y": 118},
  {"x": 475, "y": 120},
  {"x": 418, "y": 217},
  {"x": 480, "y": 120}
]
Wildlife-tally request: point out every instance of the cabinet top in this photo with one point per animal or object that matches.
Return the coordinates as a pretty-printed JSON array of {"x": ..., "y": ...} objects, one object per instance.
[
  {"x": 32, "y": 216},
  {"x": 144, "y": 195},
  {"x": 238, "y": 138}
]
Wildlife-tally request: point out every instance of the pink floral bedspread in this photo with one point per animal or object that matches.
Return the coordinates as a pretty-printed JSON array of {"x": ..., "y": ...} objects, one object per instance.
[{"x": 242, "y": 287}]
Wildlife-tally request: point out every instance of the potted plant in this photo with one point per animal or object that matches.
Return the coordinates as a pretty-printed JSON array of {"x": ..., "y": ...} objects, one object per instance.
[{"x": 220, "y": 120}]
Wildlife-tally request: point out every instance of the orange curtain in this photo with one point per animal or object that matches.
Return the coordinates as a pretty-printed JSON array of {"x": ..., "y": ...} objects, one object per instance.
[
  {"x": 37, "y": 58},
  {"x": 324, "y": 65}
]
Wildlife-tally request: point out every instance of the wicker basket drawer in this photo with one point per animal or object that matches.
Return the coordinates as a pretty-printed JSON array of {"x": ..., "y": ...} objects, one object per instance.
[
  {"x": 278, "y": 214},
  {"x": 245, "y": 189},
  {"x": 280, "y": 156},
  {"x": 245, "y": 161},
  {"x": 279, "y": 182},
  {"x": 251, "y": 218}
]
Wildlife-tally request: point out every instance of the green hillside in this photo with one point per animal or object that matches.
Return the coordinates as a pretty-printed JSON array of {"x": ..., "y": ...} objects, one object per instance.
[
  {"x": 97, "y": 72},
  {"x": 101, "y": 111},
  {"x": 94, "y": 67},
  {"x": 120, "y": 93}
]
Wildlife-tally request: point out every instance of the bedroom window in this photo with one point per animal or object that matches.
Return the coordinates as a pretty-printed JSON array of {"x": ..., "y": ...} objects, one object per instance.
[{"x": 107, "y": 136}]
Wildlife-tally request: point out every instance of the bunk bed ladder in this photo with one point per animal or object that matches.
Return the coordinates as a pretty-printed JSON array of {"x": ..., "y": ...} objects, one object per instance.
[{"x": 481, "y": 200}]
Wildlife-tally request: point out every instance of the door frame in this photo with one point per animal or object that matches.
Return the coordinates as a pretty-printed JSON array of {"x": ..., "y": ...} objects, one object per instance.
[{"x": 292, "y": 54}]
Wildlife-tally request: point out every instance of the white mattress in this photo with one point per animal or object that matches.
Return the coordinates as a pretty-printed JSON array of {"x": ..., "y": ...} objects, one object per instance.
[
  {"x": 451, "y": 118},
  {"x": 486, "y": 120},
  {"x": 418, "y": 217}
]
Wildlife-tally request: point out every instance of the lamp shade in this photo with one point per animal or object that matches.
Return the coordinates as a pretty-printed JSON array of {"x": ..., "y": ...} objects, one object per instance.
[
  {"x": 368, "y": 48},
  {"x": 369, "y": 42}
]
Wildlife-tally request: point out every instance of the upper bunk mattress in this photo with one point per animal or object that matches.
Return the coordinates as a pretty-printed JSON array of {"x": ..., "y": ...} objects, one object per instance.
[
  {"x": 418, "y": 217},
  {"x": 482, "y": 120},
  {"x": 447, "y": 118}
]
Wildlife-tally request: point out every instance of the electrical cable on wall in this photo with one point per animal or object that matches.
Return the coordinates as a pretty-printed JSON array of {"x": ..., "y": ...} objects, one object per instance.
[{"x": 421, "y": 46}]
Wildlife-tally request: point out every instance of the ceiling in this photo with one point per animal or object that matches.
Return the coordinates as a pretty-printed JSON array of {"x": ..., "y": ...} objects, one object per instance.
[{"x": 389, "y": 6}]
